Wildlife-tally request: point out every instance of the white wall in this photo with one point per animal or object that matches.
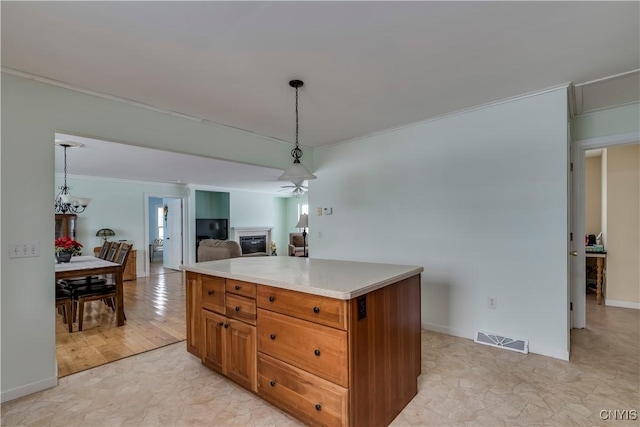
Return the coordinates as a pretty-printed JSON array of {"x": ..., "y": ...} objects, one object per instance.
[
  {"x": 478, "y": 199},
  {"x": 32, "y": 113}
]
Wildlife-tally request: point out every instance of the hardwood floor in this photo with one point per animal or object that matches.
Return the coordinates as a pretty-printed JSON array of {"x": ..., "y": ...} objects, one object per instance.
[{"x": 155, "y": 310}]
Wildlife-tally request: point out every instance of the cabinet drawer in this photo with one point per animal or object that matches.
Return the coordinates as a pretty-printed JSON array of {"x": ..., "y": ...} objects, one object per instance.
[
  {"x": 326, "y": 311},
  {"x": 315, "y": 348},
  {"x": 241, "y": 308},
  {"x": 314, "y": 400},
  {"x": 238, "y": 287},
  {"x": 213, "y": 293}
]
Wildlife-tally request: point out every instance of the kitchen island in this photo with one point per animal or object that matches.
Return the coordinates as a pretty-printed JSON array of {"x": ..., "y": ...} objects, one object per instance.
[{"x": 329, "y": 342}]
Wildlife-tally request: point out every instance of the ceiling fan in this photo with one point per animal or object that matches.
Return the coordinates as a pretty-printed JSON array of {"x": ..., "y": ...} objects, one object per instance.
[{"x": 298, "y": 188}]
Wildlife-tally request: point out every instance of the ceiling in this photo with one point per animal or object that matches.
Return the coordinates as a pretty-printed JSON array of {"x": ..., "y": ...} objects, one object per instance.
[
  {"x": 367, "y": 66},
  {"x": 109, "y": 159}
]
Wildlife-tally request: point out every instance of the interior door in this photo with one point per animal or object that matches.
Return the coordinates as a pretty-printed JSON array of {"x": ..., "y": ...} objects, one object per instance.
[
  {"x": 576, "y": 247},
  {"x": 172, "y": 252}
]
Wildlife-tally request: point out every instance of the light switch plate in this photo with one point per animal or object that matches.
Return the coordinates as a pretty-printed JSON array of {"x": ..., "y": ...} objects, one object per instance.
[{"x": 327, "y": 211}]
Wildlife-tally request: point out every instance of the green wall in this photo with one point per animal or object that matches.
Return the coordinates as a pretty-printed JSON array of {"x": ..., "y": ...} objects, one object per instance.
[{"x": 212, "y": 204}]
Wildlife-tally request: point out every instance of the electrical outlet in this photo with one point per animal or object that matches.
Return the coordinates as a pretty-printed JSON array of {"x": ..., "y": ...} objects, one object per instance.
[{"x": 492, "y": 303}]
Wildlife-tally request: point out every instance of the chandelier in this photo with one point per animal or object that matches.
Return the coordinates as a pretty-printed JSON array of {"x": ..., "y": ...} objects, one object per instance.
[
  {"x": 65, "y": 202},
  {"x": 297, "y": 172}
]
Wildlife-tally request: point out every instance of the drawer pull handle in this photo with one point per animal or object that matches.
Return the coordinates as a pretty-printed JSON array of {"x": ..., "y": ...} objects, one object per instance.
[
  {"x": 272, "y": 383},
  {"x": 226, "y": 325},
  {"x": 272, "y": 336},
  {"x": 220, "y": 323},
  {"x": 211, "y": 293},
  {"x": 237, "y": 288},
  {"x": 316, "y": 352},
  {"x": 237, "y": 308},
  {"x": 272, "y": 299},
  {"x": 316, "y": 310},
  {"x": 318, "y": 407}
]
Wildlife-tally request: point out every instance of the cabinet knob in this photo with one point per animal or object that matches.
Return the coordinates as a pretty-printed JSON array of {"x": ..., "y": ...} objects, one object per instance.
[
  {"x": 272, "y": 383},
  {"x": 318, "y": 407},
  {"x": 272, "y": 299},
  {"x": 220, "y": 323},
  {"x": 316, "y": 352},
  {"x": 226, "y": 325},
  {"x": 237, "y": 288},
  {"x": 211, "y": 293},
  {"x": 316, "y": 309},
  {"x": 237, "y": 308},
  {"x": 272, "y": 336}
]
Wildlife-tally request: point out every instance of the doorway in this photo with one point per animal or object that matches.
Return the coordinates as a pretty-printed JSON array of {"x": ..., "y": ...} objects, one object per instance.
[
  {"x": 164, "y": 234},
  {"x": 578, "y": 276}
]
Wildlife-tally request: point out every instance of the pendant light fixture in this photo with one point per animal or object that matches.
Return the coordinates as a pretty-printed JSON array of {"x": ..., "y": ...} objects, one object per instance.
[
  {"x": 65, "y": 202},
  {"x": 297, "y": 172}
]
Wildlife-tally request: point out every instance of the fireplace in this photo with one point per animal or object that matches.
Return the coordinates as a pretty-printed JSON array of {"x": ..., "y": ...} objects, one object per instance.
[
  {"x": 253, "y": 244},
  {"x": 249, "y": 234}
]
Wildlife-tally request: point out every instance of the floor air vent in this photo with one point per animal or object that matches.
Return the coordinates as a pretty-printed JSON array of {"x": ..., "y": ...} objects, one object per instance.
[{"x": 513, "y": 344}]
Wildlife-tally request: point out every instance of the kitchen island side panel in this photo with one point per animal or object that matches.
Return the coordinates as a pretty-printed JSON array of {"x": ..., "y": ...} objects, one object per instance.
[{"x": 385, "y": 352}]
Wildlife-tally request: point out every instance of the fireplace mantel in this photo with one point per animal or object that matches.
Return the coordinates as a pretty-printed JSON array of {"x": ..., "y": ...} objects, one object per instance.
[{"x": 237, "y": 232}]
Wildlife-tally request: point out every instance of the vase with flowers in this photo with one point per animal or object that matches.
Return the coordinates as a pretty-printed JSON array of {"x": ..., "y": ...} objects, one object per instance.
[{"x": 66, "y": 247}]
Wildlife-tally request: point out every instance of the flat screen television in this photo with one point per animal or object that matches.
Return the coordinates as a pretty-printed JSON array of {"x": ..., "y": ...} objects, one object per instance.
[{"x": 212, "y": 229}]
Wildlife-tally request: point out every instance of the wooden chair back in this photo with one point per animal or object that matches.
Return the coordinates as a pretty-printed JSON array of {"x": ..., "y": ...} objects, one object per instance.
[
  {"x": 104, "y": 250},
  {"x": 113, "y": 252},
  {"x": 123, "y": 253}
]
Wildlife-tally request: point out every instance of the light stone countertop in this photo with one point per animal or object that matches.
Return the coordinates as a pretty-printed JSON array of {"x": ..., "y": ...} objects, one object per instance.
[{"x": 331, "y": 278}]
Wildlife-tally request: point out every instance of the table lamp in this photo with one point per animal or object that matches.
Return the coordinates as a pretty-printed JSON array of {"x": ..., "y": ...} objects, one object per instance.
[
  {"x": 303, "y": 223},
  {"x": 105, "y": 233}
]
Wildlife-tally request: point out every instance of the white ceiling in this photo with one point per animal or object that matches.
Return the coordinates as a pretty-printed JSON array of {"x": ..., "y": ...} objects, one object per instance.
[
  {"x": 367, "y": 66},
  {"x": 122, "y": 161}
]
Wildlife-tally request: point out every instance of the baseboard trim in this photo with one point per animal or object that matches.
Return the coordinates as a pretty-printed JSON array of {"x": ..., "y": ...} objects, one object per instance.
[
  {"x": 549, "y": 352},
  {"x": 541, "y": 350},
  {"x": 622, "y": 304},
  {"x": 28, "y": 389}
]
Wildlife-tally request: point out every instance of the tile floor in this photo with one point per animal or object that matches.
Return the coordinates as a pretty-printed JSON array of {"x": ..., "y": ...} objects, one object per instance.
[{"x": 463, "y": 384}]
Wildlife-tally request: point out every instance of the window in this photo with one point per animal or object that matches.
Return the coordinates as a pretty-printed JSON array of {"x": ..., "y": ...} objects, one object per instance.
[
  {"x": 160, "y": 222},
  {"x": 303, "y": 209}
]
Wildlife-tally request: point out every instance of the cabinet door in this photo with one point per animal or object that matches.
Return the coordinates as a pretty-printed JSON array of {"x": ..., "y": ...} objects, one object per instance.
[
  {"x": 241, "y": 354},
  {"x": 213, "y": 340},
  {"x": 130, "y": 272},
  {"x": 193, "y": 313}
]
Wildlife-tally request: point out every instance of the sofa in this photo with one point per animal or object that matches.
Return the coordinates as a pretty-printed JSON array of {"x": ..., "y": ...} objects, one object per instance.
[
  {"x": 296, "y": 244},
  {"x": 213, "y": 249}
]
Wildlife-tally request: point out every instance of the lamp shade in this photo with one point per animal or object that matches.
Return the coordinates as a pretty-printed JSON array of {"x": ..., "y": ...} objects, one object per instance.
[
  {"x": 303, "y": 222},
  {"x": 297, "y": 172},
  {"x": 105, "y": 233}
]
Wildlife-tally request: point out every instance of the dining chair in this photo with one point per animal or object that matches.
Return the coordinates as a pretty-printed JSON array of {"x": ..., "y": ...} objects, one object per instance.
[
  {"x": 103, "y": 291},
  {"x": 113, "y": 252},
  {"x": 104, "y": 250},
  {"x": 63, "y": 302}
]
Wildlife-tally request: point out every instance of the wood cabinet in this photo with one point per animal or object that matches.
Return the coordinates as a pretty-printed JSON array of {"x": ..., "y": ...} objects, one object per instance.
[
  {"x": 130, "y": 271},
  {"x": 193, "y": 284},
  {"x": 323, "y": 360},
  {"x": 224, "y": 337},
  {"x": 66, "y": 225}
]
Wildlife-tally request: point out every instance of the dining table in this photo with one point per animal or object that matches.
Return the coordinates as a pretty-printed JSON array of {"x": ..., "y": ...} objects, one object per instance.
[{"x": 82, "y": 266}]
